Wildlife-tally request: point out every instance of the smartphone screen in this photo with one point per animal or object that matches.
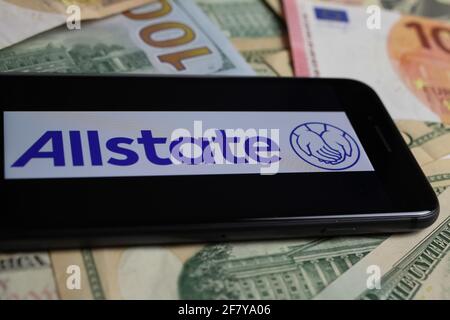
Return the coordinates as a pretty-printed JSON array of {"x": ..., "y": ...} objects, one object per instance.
[
  {"x": 308, "y": 155},
  {"x": 200, "y": 155},
  {"x": 40, "y": 145}
]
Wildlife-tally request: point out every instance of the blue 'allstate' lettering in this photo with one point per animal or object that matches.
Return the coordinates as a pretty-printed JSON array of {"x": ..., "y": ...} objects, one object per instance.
[
  {"x": 148, "y": 141},
  {"x": 113, "y": 145},
  {"x": 35, "y": 150},
  {"x": 128, "y": 157}
]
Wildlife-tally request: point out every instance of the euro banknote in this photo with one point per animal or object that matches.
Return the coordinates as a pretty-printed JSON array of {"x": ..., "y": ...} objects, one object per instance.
[
  {"x": 22, "y": 19},
  {"x": 164, "y": 37},
  {"x": 276, "y": 6},
  {"x": 406, "y": 59},
  {"x": 436, "y": 9},
  {"x": 249, "y": 23}
]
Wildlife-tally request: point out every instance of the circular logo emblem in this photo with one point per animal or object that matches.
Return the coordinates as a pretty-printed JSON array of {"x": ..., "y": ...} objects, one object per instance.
[{"x": 324, "y": 146}]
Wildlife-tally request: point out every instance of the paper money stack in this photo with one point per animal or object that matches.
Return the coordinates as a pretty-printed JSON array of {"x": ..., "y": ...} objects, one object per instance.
[{"x": 401, "y": 48}]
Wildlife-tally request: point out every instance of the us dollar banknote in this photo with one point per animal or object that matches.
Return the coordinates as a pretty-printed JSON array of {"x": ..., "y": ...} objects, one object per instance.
[
  {"x": 296, "y": 269},
  {"x": 27, "y": 276},
  {"x": 165, "y": 37},
  {"x": 254, "y": 29},
  {"x": 22, "y": 19},
  {"x": 281, "y": 63},
  {"x": 428, "y": 141},
  {"x": 411, "y": 266}
]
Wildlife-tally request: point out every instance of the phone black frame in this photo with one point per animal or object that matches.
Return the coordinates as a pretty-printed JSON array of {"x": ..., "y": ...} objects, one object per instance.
[{"x": 68, "y": 213}]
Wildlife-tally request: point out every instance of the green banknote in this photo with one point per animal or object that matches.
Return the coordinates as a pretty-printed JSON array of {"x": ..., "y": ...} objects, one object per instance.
[
  {"x": 271, "y": 270},
  {"x": 412, "y": 266},
  {"x": 27, "y": 276},
  {"x": 428, "y": 141},
  {"x": 254, "y": 29},
  {"x": 256, "y": 59},
  {"x": 165, "y": 37},
  {"x": 243, "y": 18},
  {"x": 295, "y": 269}
]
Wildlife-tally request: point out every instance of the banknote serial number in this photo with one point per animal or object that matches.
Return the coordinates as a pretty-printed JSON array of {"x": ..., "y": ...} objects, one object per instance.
[{"x": 226, "y": 310}]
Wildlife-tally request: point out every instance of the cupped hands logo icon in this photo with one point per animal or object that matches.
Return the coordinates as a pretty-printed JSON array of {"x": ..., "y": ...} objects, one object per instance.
[{"x": 325, "y": 146}]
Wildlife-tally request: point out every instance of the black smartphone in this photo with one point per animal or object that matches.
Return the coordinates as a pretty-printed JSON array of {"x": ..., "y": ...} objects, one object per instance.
[{"x": 99, "y": 161}]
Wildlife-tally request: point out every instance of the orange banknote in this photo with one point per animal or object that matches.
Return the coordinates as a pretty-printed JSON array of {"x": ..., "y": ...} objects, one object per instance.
[{"x": 406, "y": 59}]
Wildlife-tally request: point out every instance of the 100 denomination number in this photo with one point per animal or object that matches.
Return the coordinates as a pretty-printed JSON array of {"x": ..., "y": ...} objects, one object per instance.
[{"x": 188, "y": 35}]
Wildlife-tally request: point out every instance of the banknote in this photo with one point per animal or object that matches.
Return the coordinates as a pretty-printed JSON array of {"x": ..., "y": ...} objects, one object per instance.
[
  {"x": 280, "y": 62},
  {"x": 168, "y": 36},
  {"x": 27, "y": 276},
  {"x": 276, "y": 6},
  {"x": 412, "y": 266},
  {"x": 297, "y": 269},
  {"x": 250, "y": 23},
  {"x": 252, "y": 27},
  {"x": 123, "y": 273},
  {"x": 436, "y": 9},
  {"x": 406, "y": 59},
  {"x": 428, "y": 141},
  {"x": 21, "y": 19}
]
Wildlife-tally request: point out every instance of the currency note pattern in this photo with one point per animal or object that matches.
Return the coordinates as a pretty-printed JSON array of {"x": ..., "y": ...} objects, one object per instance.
[
  {"x": 188, "y": 35},
  {"x": 420, "y": 52},
  {"x": 296, "y": 272},
  {"x": 437, "y": 130},
  {"x": 26, "y": 276},
  {"x": 409, "y": 275},
  {"x": 168, "y": 36},
  {"x": 242, "y": 18}
]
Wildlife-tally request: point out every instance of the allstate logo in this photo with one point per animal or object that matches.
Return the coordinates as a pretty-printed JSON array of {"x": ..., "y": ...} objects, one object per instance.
[{"x": 325, "y": 146}]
